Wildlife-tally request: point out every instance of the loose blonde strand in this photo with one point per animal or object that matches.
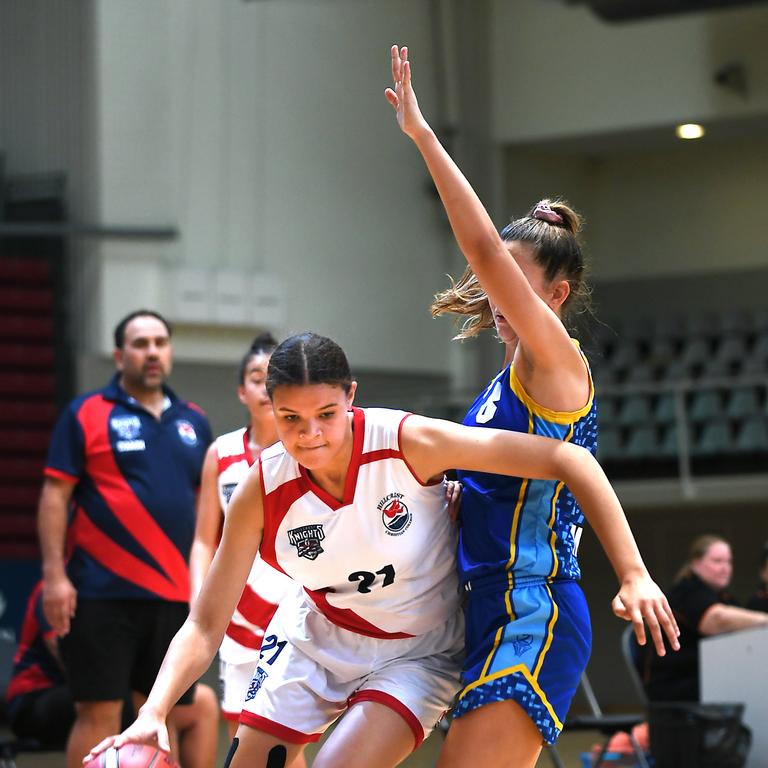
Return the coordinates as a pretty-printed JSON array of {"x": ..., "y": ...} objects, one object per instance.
[{"x": 465, "y": 297}]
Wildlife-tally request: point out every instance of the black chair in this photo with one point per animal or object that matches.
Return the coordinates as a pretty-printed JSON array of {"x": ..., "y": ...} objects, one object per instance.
[
  {"x": 10, "y": 746},
  {"x": 610, "y": 725}
]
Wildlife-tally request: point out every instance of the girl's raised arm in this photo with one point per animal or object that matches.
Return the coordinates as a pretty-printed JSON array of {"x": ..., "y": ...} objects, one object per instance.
[
  {"x": 432, "y": 446},
  {"x": 543, "y": 335},
  {"x": 196, "y": 643}
]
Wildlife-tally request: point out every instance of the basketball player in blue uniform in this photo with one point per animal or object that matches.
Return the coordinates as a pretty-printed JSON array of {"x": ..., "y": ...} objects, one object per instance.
[{"x": 528, "y": 634}]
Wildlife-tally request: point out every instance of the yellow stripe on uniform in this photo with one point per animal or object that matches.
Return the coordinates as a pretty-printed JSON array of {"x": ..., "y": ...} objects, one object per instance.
[
  {"x": 513, "y": 534},
  {"x": 550, "y": 634},
  {"x": 510, "y": 563},
  {"x": 522, "y": 669},
  {"x": 553, "y": 509},
  {"x": 558, "y": 417}
]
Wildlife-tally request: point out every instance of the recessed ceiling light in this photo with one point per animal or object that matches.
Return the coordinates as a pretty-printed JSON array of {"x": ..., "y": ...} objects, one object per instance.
[{"x": 689, "y": 131}]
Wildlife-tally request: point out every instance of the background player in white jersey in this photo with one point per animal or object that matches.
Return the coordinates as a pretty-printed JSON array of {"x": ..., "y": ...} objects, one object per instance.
[
  {"x": 227, "y": 462},
  {"x": 376, "y": 632}
]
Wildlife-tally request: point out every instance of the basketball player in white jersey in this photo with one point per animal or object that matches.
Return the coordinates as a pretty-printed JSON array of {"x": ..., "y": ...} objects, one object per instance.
[
  {"x": 350, "y": 504},
  {"x": 227, "y": 462}
]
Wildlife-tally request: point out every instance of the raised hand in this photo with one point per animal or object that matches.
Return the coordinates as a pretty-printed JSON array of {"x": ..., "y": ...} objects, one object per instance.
[
  {"x": 402, "y": 98},
  {"x": 641, "y": 601},
  {"x": 148, "y": 728}
]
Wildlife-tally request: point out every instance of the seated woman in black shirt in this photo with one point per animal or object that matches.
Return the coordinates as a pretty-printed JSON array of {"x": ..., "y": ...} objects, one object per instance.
[{"x": 702, "y": 607}]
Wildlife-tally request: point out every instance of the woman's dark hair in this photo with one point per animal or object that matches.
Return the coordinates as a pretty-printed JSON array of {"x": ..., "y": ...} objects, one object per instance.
[
  {"x": 263, "y": 344},
  {"x": 308, "y": 358},
  {"x": 552, "y": 227}
]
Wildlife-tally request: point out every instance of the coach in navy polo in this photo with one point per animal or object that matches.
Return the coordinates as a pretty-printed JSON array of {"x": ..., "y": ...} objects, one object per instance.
[{"x": 116, "y": 522}]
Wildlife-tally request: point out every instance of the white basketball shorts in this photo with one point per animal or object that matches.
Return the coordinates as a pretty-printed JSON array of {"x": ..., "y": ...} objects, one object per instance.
[
  {"x": 234, "y": 680},
  {"x": 311, "y": 671}
]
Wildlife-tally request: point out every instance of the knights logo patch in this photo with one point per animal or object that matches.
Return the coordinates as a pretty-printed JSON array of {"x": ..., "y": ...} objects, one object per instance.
[{"x": 307, "y": 540}]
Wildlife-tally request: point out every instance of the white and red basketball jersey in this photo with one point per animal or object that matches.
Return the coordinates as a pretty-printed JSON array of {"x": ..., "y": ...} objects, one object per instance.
[
  {"x": 265, "y": 586},
  {"x": 382, "y": 562}
]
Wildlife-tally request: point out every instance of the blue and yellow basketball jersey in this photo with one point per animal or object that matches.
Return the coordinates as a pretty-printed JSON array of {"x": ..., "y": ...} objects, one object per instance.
[
  {"x": 528, "y": 635},
  {"x": 511, "y": 525}
]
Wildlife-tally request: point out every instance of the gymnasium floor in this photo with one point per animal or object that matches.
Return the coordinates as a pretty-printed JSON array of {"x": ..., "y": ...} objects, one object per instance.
[{"x": 569, "y": 748}]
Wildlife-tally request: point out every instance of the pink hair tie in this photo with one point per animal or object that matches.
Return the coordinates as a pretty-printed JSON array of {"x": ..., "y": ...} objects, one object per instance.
[{"x": 545, "y": 213}]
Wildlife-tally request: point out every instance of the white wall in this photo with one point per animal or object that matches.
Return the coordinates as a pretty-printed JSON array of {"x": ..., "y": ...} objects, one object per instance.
[
  {"x": 45, "y": 93},
  {"x": 693, "y": 208},
  {"x": 261, "y": 131},
  {"x": 561, "y": 71}
]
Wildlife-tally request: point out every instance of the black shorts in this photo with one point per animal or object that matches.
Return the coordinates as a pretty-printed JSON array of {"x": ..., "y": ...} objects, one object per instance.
[
  {"x": 115, "y": 646},
  {"x": 47, "y": 716}
]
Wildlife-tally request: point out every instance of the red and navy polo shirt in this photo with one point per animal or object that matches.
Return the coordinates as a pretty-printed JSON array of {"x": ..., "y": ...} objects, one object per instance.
[
  {"x": 34, "y": 667},
  {"x": 136, "y": 479}
]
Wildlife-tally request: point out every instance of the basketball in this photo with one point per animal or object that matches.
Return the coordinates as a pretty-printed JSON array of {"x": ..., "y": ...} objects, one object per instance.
[{"x": 133, "y": 756}]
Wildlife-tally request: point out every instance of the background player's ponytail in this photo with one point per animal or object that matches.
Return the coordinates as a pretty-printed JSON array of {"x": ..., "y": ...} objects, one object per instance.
[
  {"x": 552, "y": 227},
  {"x": 263, "y": 344},
  {"x": 308, "y": 358}
]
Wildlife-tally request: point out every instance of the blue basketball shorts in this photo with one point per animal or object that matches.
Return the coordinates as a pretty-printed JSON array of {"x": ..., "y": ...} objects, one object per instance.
[{"x": 529, "y": 644}]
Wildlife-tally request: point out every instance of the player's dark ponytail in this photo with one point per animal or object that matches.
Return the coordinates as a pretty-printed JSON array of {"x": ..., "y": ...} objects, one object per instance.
[
  {"x": 308, "y": 358},
  {"x": 263, "y": 344}
]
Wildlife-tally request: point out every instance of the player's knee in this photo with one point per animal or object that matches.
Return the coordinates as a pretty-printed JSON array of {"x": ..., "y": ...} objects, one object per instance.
[
  {"x": 205, "y": 701},
  {"x": 100, "y": 713}
]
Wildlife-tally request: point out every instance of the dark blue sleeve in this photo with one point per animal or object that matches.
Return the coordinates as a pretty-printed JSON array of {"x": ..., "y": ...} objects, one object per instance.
[{"x": 66, "y": 451}]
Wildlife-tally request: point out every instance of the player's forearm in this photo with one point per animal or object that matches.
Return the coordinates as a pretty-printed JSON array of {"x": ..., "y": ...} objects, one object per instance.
[
  {"x": 474, "y": 231},
  {"x": 730, "y": 618},
  {"x": 586, "y": 480},
  {"x": 52, "y": 531},
  {"x": 200, "y": 558}
]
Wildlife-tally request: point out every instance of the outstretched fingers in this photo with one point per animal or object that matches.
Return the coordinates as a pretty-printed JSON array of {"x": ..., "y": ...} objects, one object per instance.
[
  {"x": 102, "y": 746},
  {"x": 657, "y": 616}
]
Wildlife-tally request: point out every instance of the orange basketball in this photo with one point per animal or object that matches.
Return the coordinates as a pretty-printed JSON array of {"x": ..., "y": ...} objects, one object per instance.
[{"x": 133, "y": 756}]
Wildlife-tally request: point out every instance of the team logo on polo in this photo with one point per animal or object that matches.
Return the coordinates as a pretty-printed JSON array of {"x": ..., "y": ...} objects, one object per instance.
[
  {"x": 394, "y": 514},
  {"x": 186, "y": 432},
  {"x": 307, "y": 540},
  {"x": 127, "y": 427}
]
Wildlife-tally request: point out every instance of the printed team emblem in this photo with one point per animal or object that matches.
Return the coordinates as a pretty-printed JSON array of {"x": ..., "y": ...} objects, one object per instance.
[
  {"x": 186, "y": 432},
  {"x": 259, "y": 676},
  {"x": 227, "y": 491},
  {"x": 395, "y": 514},
  {"x": 307, "y": 540},
  {"x": 522, "y": 643},
  {"x": 127, "y": 427}
]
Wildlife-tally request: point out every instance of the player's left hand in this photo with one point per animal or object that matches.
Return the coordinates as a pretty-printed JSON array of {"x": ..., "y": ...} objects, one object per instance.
[
  {"x": 642, "y": 602},
  {"x": 402, "y": 97},
  {"x": 453, "y": 497}
]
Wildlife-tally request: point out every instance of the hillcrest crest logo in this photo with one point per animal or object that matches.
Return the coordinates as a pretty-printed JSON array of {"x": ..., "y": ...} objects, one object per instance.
[{"x": 395, "y": 515}]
